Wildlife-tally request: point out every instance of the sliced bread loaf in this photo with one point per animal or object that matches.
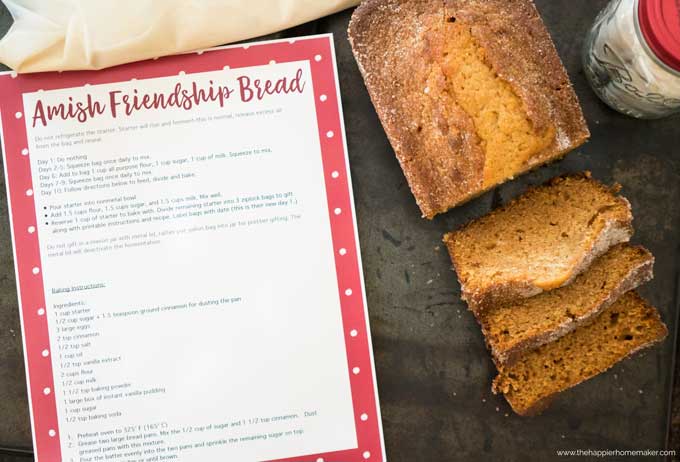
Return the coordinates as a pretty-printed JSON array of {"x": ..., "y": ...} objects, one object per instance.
[
  {"x": 628, "y": 325},
  {"x": 470, "y": 92},
  {"x": 539, "y": 241},
  {"x": 512, "y": 328}
]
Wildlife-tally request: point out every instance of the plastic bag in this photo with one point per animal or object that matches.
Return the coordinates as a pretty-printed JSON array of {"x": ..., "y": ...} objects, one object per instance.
[{"x": 50, "y": 35}]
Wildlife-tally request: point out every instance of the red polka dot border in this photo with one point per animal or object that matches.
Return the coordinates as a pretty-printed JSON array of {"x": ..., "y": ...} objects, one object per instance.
[{"x": 319, "y": 52}]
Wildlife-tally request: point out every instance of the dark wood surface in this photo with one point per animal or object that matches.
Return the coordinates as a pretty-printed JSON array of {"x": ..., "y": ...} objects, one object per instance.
[{"x": 434, "y": 372}]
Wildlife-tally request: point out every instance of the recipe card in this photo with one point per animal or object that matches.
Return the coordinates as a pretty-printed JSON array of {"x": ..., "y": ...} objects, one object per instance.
[{"x": 187, "y": 259}]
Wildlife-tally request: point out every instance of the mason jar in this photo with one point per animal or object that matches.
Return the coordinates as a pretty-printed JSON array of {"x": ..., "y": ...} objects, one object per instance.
[{"x": 631, "y": 57}]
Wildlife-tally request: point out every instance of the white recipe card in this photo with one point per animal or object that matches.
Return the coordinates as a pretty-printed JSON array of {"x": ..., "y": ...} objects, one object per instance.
[{"x": 187, "y": 259}]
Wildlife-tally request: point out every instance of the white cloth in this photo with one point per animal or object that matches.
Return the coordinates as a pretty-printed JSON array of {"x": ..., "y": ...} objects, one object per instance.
[{"x": 50, "y": 35}]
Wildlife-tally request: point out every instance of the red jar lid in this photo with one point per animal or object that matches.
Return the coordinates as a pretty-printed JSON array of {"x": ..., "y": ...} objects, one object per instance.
[{"x": 660, "y": 26}]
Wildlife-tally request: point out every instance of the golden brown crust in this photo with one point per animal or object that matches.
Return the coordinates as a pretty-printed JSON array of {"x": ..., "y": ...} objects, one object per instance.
[
  {"x": 390, "y": 57},
  {"x": 433, "y": 137}
]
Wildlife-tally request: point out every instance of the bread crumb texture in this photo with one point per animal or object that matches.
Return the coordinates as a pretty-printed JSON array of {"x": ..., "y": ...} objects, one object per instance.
[
  {"x": 624, "y": 328},
  {"x": 539, "y": 241},
  {"x": 512, "y": 328},
  {"x": 470, "y": 92}
]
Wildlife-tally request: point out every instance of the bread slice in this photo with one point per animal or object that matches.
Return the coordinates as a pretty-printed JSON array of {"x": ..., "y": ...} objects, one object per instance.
[
  {"x": 512, "y": 328},
  {"x": 470, "y": 92},
  {"x": 624, "y": 328},
  {"x": 539, "y": 241}
]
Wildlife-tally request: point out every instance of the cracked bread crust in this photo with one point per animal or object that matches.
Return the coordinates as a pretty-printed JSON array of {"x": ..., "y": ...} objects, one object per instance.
[
  {"x": 401, "y": 49},
  {"x": 484, "y": 284},
  {"x": 521, "y": 51}
]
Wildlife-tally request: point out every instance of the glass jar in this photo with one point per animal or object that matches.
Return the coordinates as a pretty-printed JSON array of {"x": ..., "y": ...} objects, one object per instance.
[{"x": 631, "y": 57}]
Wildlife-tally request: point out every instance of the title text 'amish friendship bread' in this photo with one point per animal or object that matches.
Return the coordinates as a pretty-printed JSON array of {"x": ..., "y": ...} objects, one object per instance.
[
  {"x": 540, "y": 241},
  {"x": 470, "y": 92},
  {"x": 512, "y": 328},
  {"x": 627, "y": 326}
]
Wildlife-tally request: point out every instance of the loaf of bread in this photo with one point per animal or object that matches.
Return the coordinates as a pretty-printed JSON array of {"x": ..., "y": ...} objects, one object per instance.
[
  {"x": 539, "y": 241},
  {"x": 513, "y": 328},
  {"x": 470, "y": 92},
  {"x": 627, "y": 326}
]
